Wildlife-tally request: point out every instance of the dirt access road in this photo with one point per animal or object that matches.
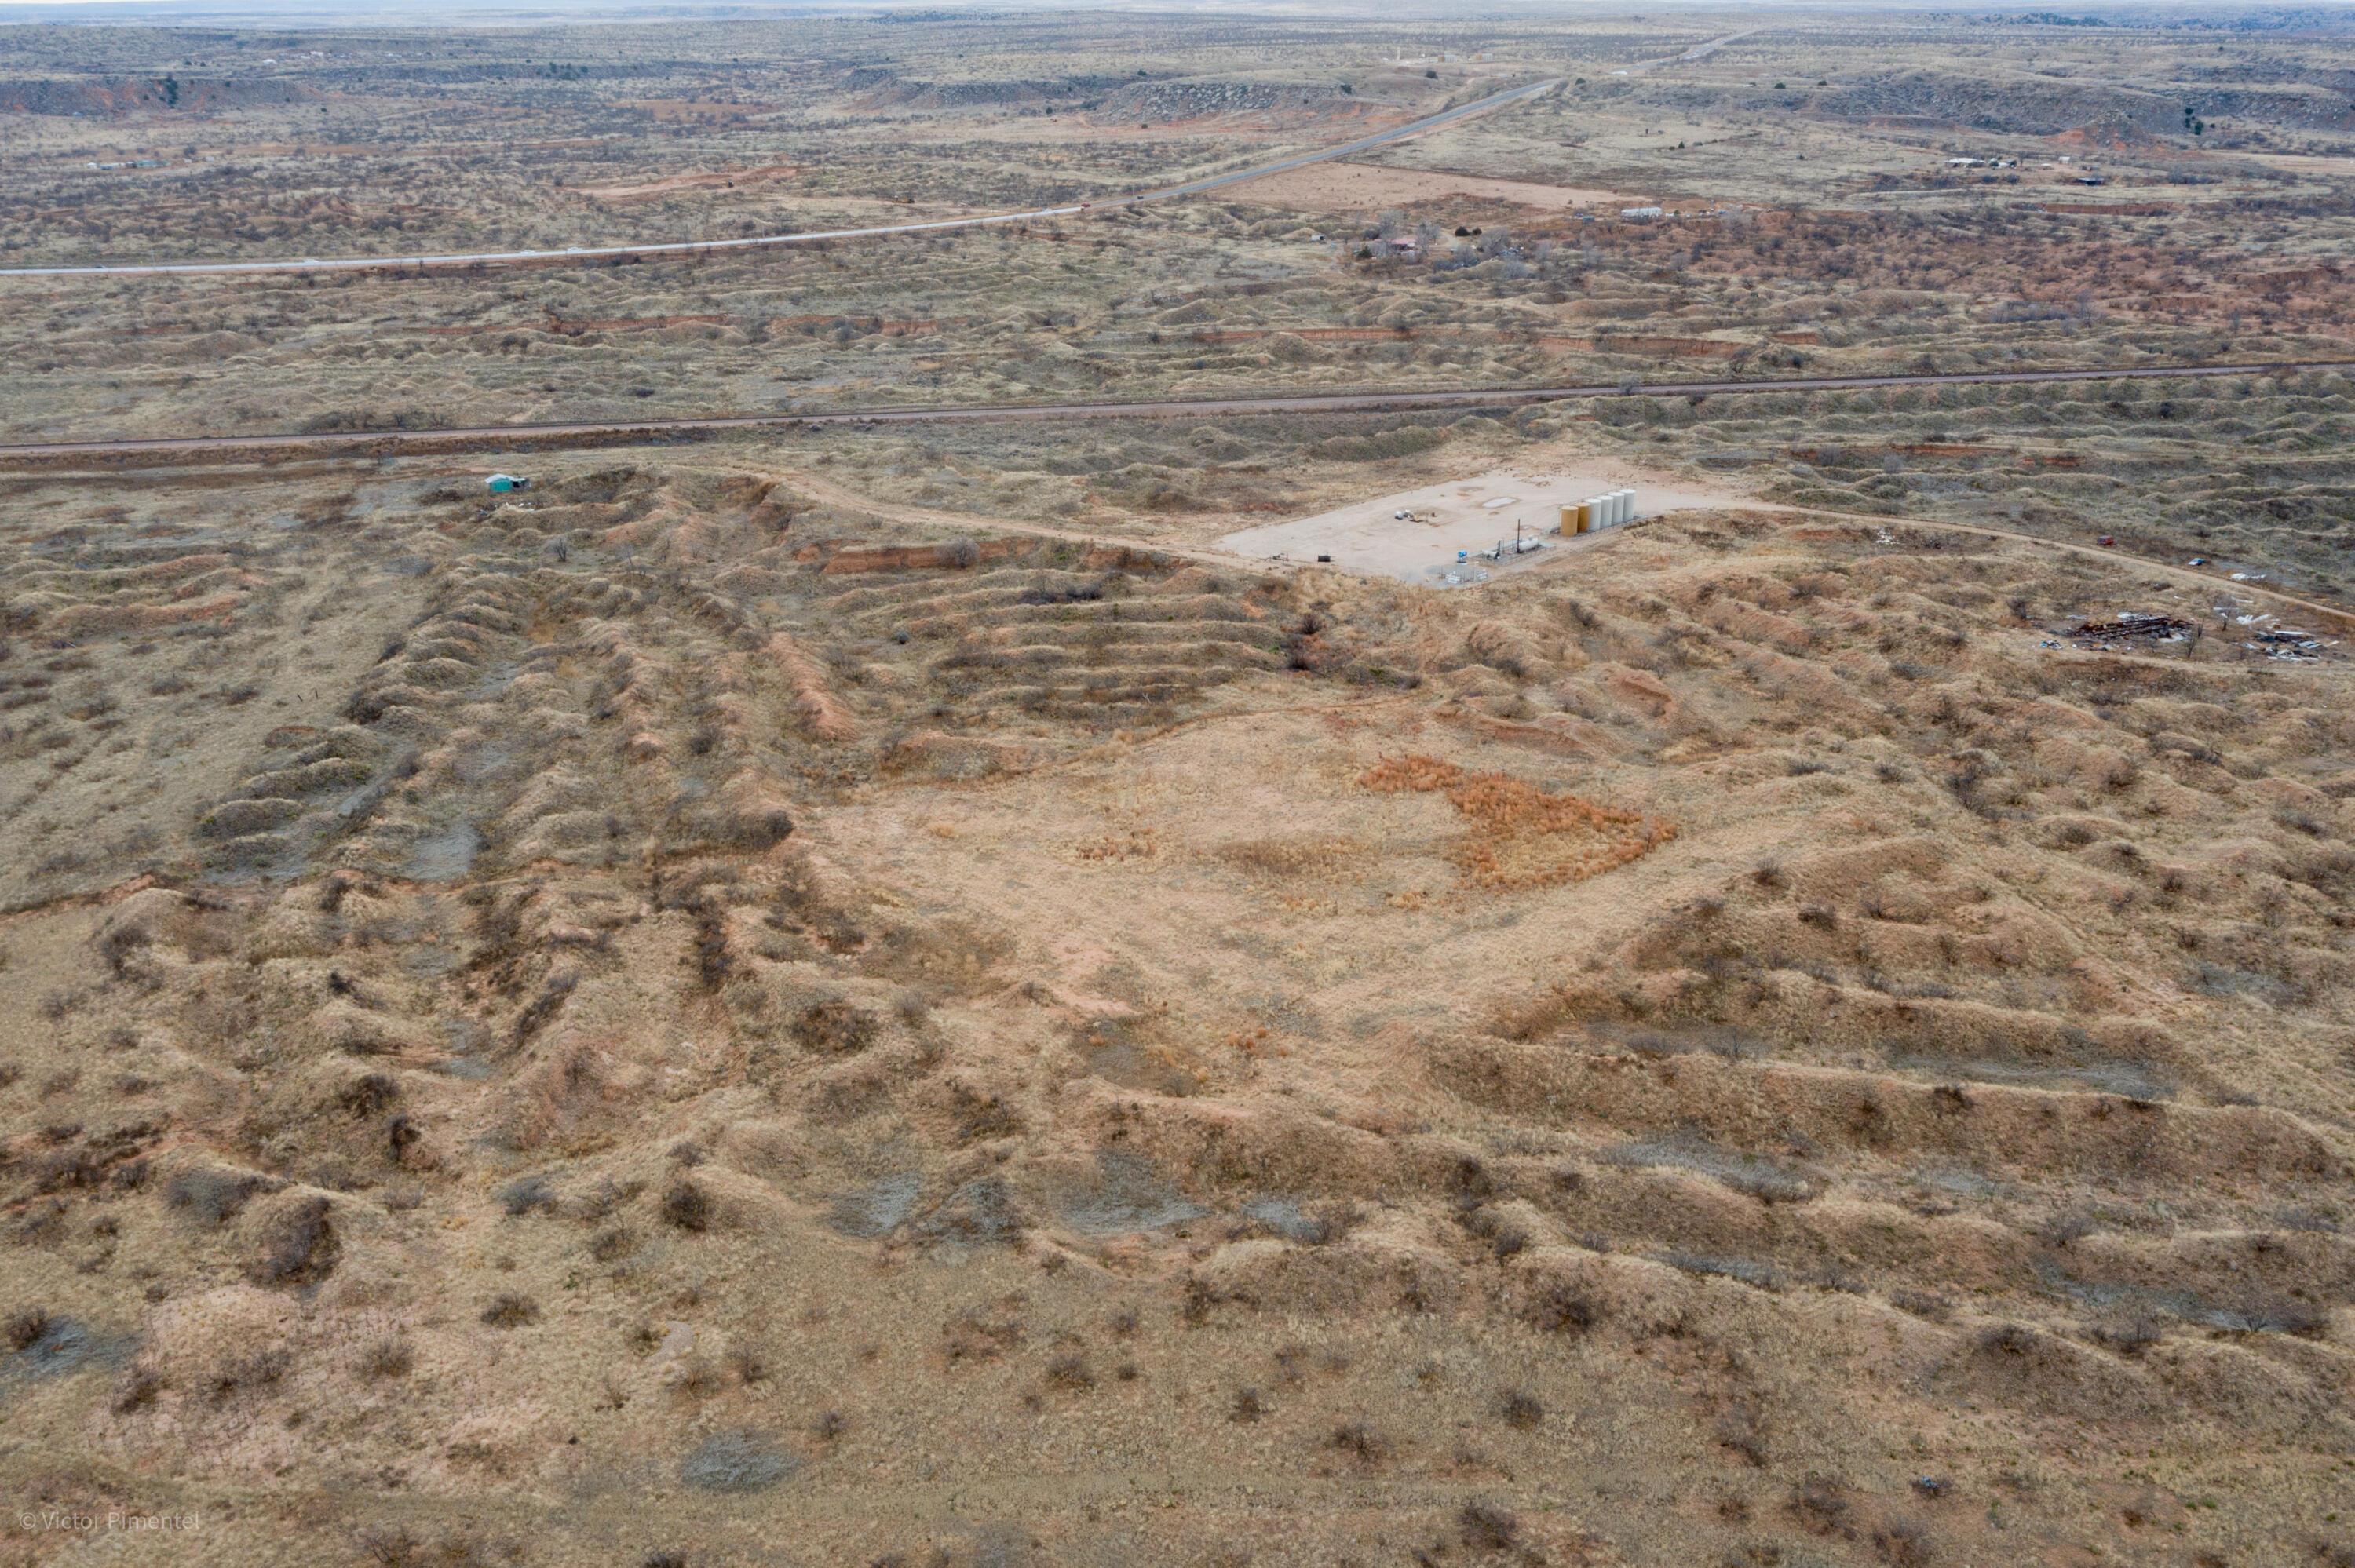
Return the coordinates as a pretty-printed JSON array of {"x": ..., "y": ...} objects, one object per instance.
[
  {"x": 522, "y": 437},
  {"x": 77, "y": 456},
  {"x": 820, "y": 488},
  {"x": 705, "y": 247}
]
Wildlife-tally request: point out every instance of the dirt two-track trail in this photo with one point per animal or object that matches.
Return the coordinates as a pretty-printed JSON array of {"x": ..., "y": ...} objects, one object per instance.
[{"x": 592, "y": 253}]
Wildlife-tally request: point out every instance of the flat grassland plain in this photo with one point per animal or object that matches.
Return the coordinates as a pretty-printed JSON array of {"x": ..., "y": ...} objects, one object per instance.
[{"x": 873, "y": 996}]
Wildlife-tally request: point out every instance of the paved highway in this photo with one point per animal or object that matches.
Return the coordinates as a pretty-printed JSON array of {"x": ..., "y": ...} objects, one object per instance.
[
  {"x": 44, "y": 454},
  {"x": 705, "y": 247}
]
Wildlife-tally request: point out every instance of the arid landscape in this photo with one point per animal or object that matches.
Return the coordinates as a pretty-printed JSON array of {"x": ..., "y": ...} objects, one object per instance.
[{"x": 935, "y": 989}]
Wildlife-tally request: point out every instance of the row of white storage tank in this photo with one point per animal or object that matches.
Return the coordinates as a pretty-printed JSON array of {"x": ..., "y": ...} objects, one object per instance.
[{"x": 1605, "y": 511}]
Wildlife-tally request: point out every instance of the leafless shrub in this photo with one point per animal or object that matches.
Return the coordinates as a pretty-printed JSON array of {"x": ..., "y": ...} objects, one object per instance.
[
  {"x": 601, "y": 1202},
  {"x": 247, "y": 1371},
  {"x": 388, "y": 1359},
  {"x": 1741, "y": 1431},
  {"x": 1902, "y": 1543},
  {"x": 1563, "y": 1309},
  {"x": 977, "y": 1335},
  {"x": 542, "y": 1009},
  {"x": 369, "y": 1095},
  {"x": 1522, "y": 1410},
  {"x": 2007, "y": 1339},
  {"x": 26, "y": 1327},
  {"x": 1361, "y": 1442},
  {"x": 388, "y": 1546},
  {"x": 696, "y": 1378},
  {"x": 2129, "y": 1334},
  {"x": 509, "y": 1310},
  {"x": 714, "y": 961},
  {"x": 2060, "y": 1231},
  {"x": 686, "y": 1206},
  {"x": 139, "y": 1388},
  {"x": 1925, "y": 1304},
  {"x": 833, "y": 1028},
  {"x": 1488, "y": 1526},
  {"x": 1820, "y": 1504},
  {"x": 1070, "y": 1373},
  {"x": 2293, "y": 1318},
  {"x": 526, "y": 1193},
  {"x": 300, "y": 1246}
]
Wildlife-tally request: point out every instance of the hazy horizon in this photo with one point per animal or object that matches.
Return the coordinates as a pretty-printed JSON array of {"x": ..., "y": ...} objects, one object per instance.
[{"x": 307, "y": 12}]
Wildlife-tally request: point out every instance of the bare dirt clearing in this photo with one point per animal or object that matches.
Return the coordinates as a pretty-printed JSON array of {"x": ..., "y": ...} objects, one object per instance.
[{"x": 1469, "y": 514}]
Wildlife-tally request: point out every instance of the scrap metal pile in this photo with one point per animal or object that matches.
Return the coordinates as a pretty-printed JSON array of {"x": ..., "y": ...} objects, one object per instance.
[
  {"x": 2133, "y": 628},
  {"x": 2283, "y": 643}
]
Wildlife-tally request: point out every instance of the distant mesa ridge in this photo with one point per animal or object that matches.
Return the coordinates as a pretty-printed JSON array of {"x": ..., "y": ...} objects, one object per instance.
[{"x": 120, "y": 95}]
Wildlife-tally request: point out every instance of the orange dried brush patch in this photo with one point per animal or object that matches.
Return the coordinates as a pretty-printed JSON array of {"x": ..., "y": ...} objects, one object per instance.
[{"x": 1524, "y": 836}]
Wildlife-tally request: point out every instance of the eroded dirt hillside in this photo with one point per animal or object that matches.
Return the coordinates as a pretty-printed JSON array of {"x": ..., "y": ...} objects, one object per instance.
[{"x": 760, "y": 1036}]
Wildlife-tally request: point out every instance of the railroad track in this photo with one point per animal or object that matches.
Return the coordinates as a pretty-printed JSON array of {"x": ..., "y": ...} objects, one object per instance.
[{"x": 124, "y": 450}]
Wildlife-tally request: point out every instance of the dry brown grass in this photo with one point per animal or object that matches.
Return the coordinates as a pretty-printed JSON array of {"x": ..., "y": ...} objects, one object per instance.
[
  {"x": 1296, "y": 856},
  {"x": 731, "y": 972}
]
